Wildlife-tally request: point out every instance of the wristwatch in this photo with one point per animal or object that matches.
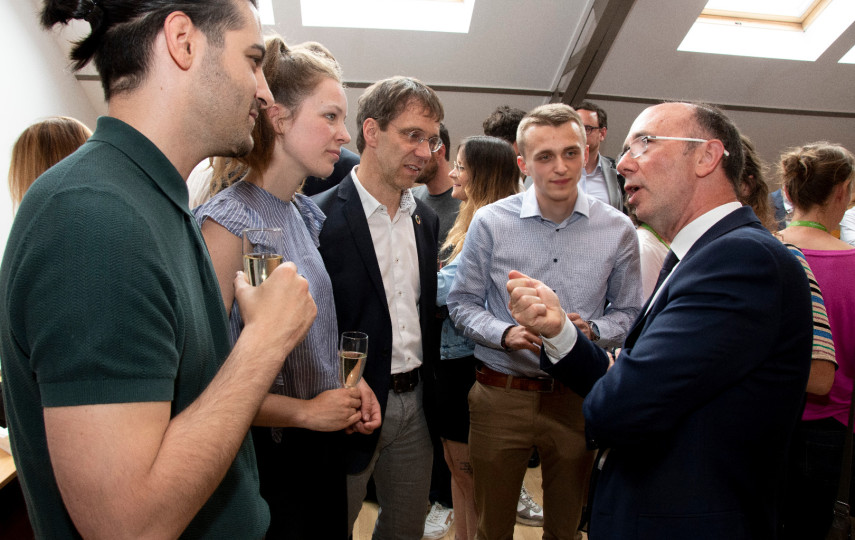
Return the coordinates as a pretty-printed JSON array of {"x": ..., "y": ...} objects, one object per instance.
[{"x": 595, "y": 332}]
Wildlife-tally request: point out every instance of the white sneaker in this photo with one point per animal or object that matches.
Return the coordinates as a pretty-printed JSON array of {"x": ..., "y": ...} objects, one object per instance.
[
  {"x": 438, "y": 521},
  {"x": 528, "y": 511}
]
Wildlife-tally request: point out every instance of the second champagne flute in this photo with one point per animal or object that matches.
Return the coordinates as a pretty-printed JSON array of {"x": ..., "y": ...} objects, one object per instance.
[
  {"x": 261, "y": 253},
  {"x": 352, "y": 352}
]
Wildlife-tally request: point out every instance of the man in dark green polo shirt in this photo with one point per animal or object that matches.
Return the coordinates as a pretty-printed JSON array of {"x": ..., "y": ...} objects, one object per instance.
[{"x": 128, "y": 413}]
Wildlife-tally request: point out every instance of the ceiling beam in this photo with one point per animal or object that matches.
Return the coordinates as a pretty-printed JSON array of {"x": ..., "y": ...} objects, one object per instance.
[{"x": 586, "y": 59}]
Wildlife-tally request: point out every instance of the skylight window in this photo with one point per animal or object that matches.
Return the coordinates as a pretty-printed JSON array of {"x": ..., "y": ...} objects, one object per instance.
[
  {"x": 265, "y": 12},
  {"x": 424, "y": 15},
  {"x": 784, "y": 29}
]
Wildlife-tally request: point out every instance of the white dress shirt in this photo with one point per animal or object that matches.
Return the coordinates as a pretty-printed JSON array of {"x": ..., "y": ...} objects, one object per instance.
[{"x": 398, "y": 258}]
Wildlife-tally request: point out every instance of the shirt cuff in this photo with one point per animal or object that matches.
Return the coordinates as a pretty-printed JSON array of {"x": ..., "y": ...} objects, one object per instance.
[{"x": 560, "y": 346}]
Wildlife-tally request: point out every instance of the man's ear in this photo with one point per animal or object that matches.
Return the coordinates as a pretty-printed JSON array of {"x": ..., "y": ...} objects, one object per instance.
[
  {"x": 182, "y": 39},
  {"x": 370, "y": 131},
  {"x": 711, "y": 156},
  {"x": 603, "y": 132},
  {"x": 521, "y": 165}
]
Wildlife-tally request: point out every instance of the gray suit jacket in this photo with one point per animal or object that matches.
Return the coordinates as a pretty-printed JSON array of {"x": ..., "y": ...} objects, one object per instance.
[{"x": 614, "y": 182}]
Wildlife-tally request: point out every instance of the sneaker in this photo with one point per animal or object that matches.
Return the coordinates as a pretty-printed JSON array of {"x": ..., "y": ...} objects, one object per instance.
[
  {"x": 438, "y": 521},
  {"x": 528, "y": 511}
]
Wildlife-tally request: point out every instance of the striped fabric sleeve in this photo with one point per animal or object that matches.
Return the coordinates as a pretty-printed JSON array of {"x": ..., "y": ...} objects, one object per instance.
[{"x": 823, "y": 346}]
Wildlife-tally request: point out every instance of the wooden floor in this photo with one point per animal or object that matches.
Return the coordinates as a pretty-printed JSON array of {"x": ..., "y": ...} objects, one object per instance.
[{"x": 365, "y": 522}]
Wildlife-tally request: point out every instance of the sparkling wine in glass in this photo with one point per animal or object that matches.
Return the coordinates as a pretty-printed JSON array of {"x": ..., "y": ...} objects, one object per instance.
[
  {"x": 352, "y": 353},
  {"x": 261, "y": 253}
]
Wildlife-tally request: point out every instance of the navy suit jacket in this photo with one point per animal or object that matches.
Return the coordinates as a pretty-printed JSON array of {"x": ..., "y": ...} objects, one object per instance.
[
  {"x": 698, "y": 409},
  {"x": 360, "y": 299}
]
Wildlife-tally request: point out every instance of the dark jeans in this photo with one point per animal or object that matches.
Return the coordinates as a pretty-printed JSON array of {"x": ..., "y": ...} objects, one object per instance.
[{"x": 812, "y": 479}]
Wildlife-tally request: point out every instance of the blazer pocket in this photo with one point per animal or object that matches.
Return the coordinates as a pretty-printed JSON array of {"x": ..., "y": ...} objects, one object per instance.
[{"x": 715, "y": 526}]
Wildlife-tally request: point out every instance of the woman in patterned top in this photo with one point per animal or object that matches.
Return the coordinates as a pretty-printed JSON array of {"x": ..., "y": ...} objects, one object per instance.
[{"x": 300, "y": 426}]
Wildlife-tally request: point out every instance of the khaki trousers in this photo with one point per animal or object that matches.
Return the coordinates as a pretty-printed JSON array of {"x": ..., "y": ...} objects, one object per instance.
[{"x": 505, "y": 424}]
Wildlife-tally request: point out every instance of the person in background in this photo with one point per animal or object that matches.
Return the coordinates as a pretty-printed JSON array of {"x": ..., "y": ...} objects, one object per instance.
[
  {"x": 129, "y": 409},
  {"x": 818, "y": 178},
  {"x": 434, "y": 187},
  {"x": 600, "y": 179},
  {"x": 485, "y": 171},
  {"x": 305, "y": 414},
  {"x": 40, "y": 147},
  {"x": 652, "y": 249},
  {"x": 753, "y": 190},
  {"x": 503, "y": 123},
  {"x": 847, "y": 227}
]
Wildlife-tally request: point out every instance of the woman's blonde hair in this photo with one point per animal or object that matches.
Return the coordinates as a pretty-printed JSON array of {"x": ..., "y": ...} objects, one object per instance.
[
  {"x": 493, "y": 175},
  {"x": 292, "y": 74},
  {"x": 40, "y": 147}
]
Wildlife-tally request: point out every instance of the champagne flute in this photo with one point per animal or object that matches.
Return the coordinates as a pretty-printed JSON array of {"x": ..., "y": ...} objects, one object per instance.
[
  {"x": 352, "y": 352},
  {"x": 261, "y": 253}
]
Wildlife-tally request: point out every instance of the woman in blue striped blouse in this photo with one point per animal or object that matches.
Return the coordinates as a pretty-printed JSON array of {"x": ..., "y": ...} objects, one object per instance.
[{"x": 301, "y": 424}]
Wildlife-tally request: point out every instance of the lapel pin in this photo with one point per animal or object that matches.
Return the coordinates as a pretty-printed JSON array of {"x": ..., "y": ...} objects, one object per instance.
[{"x": 418, "y": 220}]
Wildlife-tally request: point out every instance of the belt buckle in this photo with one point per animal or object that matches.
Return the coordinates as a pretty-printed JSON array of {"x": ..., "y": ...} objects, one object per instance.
[
  {"x": 401, "y": 384},
  {"x": 551, "y": 385}
]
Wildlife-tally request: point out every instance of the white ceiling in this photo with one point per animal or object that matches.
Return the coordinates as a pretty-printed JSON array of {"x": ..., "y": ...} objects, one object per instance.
[{"x": 516, "y": 53}]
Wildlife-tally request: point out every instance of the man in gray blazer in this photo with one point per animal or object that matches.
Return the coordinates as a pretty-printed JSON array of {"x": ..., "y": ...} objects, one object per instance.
[{"x": 600, "y": 179}]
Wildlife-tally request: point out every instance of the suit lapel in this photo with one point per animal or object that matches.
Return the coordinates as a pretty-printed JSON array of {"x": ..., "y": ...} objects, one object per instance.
[
  {"x": 738, "y": 218},
  {"x": 612, "y": 185},
  {"x": 357, "y": 224}
]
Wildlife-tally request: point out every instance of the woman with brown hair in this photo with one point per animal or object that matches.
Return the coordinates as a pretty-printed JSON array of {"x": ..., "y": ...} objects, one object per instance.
[
  {"x": 485, "y": 171},
  {"x": 40, "y": 147},
  {"x": 298, "y": 432},
  {"x": 817, "y": 178}
]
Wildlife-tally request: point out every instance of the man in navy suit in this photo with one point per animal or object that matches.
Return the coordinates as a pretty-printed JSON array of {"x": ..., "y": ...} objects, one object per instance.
[
  {"x": 379, "y": 244},
  {"x": 694, "y": 417}
]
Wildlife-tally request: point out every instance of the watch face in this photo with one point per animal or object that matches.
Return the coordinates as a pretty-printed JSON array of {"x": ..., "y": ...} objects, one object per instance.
[{"x": 595, "y": 332}]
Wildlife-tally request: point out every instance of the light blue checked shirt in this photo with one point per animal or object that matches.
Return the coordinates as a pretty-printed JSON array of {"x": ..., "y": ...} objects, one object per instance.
[{"x": 589, "y": 258}]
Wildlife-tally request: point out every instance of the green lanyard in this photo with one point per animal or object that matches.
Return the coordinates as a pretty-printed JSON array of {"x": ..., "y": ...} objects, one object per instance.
[
  {"x": 812, "y": 224},
  {"x": 656, "y": 234}
]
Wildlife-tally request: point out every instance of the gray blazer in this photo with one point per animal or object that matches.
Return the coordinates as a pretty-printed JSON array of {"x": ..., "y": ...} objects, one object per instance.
[{"x": 614, "y": 182}]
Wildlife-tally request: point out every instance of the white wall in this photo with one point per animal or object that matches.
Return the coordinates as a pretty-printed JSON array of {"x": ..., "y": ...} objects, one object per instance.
[{"x": 38, "y": 83}]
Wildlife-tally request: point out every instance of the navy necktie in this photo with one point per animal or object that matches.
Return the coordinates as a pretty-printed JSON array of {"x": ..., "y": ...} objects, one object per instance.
[{"x": 670, "y": 261}]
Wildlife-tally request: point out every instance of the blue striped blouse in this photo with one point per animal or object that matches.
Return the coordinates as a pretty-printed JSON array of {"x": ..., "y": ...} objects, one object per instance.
[{"x": 312, "y": 367}]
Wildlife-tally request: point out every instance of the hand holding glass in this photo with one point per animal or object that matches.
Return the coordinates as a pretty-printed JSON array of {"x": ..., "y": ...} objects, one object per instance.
[
  {"x": 352, "y": 352},
  {"x": 258, "y": 259}
]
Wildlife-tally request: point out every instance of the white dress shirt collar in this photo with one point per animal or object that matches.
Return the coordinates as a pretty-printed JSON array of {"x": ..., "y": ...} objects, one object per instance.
[{"x": 371, "y": 204}]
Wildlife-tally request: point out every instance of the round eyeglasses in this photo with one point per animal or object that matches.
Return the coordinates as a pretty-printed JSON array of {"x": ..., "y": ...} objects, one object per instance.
[
  {"x": 589, "y": 129},
  {"x": 638, "y": 145},
  {"x": 416, "y": 137}
]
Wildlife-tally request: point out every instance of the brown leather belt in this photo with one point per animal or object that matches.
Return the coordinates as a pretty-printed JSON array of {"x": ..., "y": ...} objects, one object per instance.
[
  {"x": 485, "y": 375},
  {"x": 404, "y": 382}
]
